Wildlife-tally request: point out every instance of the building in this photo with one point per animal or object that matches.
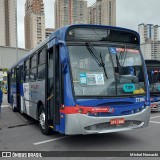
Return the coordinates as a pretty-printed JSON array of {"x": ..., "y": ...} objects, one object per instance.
[
  {"x": 148, "y": 31},
  {"x": 103, "y": 12},
  {"x": 34, "y": 23},
  {"x": 69, "y": 12},
  {"x": 8, "y": 56},
  {"x": 48, "y": 31},
  {"x": 150, "y": 44},
  {"x": 8, "y": 20},
  {"x": 92, "y": 14},
  {"x": 151, "y": 50}
]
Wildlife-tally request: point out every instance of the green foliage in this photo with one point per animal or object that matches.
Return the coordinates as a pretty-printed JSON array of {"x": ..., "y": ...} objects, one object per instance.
[{"x": 5, "y": 70}]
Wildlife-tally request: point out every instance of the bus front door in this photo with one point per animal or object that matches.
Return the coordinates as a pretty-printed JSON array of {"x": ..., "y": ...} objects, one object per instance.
[
  {"x": 53, "y": 97},
  {"x": 9, "y": 86}
]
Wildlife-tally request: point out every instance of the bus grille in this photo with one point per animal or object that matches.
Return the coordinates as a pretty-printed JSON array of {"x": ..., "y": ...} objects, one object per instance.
[{"x": 102, "y": 126}]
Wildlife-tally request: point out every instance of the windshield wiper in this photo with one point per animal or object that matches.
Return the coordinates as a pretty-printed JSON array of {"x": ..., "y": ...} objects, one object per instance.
[
  {"x": 119, "y": 67},
  {"x": 93, "y": 53},
  {"x": 123, "y": 52},
  {"x": 103, "y": 65}
]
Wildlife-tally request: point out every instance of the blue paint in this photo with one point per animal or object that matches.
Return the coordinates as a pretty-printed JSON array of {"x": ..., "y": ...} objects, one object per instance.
[
  {"x": 112, "y": 50},
  {"x": 21, "y": 90},
  {"x": 61, "y": 128},
  {"x": 122, "y": 106}
]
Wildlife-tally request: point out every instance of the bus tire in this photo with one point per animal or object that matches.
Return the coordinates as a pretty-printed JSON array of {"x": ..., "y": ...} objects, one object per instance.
[{"x": 41, "y": 117}]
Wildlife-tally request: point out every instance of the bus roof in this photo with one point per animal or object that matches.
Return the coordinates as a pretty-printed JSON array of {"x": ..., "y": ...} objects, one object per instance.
[{"x": 60, "y": 34}]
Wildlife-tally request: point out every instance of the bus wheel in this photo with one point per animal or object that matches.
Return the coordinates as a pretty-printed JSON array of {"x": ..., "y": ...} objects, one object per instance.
[{"x": 44, "y": 129}]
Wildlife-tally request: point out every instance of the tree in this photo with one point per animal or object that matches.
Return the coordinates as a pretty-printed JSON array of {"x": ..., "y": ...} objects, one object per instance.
[{"x": 4, "y": 70}]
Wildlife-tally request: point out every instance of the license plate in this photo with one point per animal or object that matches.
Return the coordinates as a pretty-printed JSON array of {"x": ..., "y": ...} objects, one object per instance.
[
  {"x": 153, "y": 105},
  {"x": 117, "y": 121}
]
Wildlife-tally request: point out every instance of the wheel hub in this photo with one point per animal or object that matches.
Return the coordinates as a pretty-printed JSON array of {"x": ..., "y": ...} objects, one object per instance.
[{"x": 42, "y": 120}]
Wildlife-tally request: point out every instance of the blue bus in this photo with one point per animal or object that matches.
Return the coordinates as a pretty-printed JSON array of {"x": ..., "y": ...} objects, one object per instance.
[
  {"x": 83, "y": 79},
  {"x": 153, "y": 69}
]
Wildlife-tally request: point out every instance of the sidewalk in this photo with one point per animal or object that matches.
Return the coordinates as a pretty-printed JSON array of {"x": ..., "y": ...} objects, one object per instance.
[{"x": 10, "y": 119}]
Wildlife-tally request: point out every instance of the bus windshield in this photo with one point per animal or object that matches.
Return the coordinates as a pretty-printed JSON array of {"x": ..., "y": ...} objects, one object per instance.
[
  {"x": 154, "y": 79},
  {"x": 99, "y": 70}
]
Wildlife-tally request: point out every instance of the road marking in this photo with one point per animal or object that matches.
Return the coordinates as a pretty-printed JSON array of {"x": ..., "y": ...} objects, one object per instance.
[
  {"x": 50, "y": 140},
  {"x": 154, "y": 117},
  {"x": 154, "y": 122},
  {"x": 4, "y": 106}
]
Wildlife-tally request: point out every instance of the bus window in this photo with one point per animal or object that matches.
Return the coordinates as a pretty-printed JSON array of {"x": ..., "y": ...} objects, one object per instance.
[
  {"x": 33, "y": 72},
  {"x": 22, "y": 74},
  {"x": 13, "y": 76},
  {"x": 41, "y": 71},
  {"x": 26, "y": 70},
  {"x": 34, "y": 61},
  {"x": 85, "y": 71},
  {"x": 41, "y": 57},
  {"x": 41, "y": 65}
]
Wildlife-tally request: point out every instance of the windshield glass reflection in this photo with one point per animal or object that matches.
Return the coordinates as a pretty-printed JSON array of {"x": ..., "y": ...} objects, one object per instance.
[{"x": 120, "y": 74}]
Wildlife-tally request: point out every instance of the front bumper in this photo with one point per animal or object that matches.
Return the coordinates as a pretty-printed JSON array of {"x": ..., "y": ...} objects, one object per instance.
[
  {"x": 155, "y": 106},
  {"x": 83, "y": 124}
]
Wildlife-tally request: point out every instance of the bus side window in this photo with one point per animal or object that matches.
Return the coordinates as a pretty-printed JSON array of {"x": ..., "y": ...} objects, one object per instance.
[
  {"x": 33, "y": 71},
  {"x": 12, "y": 76},
  {"x": 26, "y": 71},
  {"x": 41, "y": 65},
  {"x": 22, "y": 74}
]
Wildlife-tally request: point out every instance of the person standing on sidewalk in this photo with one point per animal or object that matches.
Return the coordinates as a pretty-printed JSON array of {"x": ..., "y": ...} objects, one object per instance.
[{"x": 1, "y": 97}]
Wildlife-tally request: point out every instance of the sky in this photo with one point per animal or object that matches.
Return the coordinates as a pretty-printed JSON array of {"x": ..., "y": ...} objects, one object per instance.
[{"x": 129, "y": 13}]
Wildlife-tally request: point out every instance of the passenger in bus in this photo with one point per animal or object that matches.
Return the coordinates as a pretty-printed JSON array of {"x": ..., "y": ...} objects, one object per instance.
[{"x": 1, "y": 97}]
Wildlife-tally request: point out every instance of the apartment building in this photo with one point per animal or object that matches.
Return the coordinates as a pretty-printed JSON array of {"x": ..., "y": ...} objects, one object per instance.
[
  {"x": 102, "y": 12},
  {"x": 70, "y": 12},
  {"x": 48, "y": 31},
  {"x": 151, "y": 50},
  {"x": 150, "y": 44},
  {"x": 34, "y": 23},
  {"x": 8, "y": 23},
  {"x": 92, "y": 14},
  {"x": 148, "y": 31}
]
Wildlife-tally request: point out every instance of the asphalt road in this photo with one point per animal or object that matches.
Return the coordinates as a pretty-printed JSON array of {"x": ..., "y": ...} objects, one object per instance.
[{"x": 20, "y": 133}]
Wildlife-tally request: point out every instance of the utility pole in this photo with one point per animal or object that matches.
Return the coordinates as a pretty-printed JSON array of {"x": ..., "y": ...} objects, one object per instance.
[{"x": 17, "y": 54}]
